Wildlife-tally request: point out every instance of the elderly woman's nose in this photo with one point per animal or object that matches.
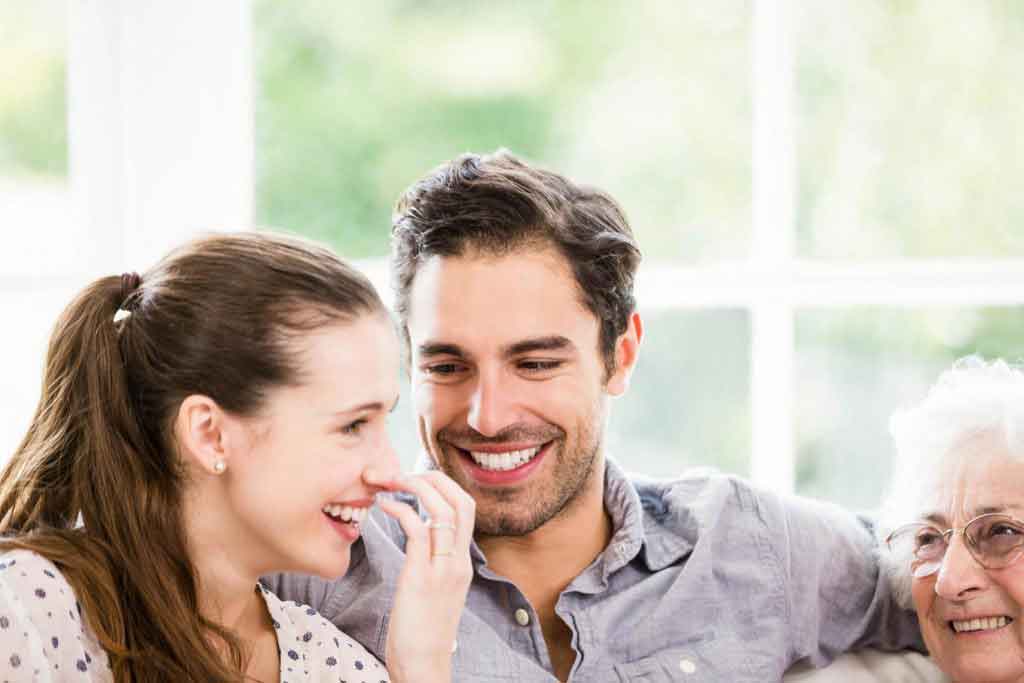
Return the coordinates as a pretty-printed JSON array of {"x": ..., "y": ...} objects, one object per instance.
[{"x": 960, "y": 574}]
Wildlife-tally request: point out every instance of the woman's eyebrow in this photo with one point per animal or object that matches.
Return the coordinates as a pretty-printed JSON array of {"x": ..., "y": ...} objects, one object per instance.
[{"x": 990, "y": 509}]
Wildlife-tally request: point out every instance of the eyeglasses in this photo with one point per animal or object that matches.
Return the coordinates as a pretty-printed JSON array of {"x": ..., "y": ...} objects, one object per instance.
[{"x": 995, "y": 540}]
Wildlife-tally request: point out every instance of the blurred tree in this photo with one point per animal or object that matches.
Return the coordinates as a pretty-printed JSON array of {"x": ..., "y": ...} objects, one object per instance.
[
  {"x": 648, "y": 100},
  {"x": 33, "y": 55},
  {"x": 908, "y": 115}
]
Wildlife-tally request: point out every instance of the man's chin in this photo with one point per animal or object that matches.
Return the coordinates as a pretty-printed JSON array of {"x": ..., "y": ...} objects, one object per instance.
[{"x": 505, "y": 524}]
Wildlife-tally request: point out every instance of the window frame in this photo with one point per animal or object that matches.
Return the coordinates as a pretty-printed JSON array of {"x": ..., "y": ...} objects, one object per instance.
[{"x": 134, "y": 154}]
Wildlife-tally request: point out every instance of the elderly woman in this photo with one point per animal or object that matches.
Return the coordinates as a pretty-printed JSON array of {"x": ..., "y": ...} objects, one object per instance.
[{"x": 956, "y": 551}]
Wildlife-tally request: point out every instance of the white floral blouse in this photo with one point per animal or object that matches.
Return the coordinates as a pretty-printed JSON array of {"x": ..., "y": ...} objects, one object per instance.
[{"x": 43, "y": 636}]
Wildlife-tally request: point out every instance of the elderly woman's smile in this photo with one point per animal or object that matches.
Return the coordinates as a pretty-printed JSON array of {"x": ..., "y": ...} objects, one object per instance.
[
  {"x": 971, "y": 616},
  {"x": 963, "y": 550}
]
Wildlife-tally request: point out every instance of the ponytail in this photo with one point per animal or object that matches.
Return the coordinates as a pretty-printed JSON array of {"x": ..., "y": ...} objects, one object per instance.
[
  {"x": 83, "y": 402},
  {"x": 89, "y": 489}
]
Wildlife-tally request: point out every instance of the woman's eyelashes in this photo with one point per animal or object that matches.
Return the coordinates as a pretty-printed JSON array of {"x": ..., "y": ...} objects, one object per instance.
[{"x": 355, "y": 427}]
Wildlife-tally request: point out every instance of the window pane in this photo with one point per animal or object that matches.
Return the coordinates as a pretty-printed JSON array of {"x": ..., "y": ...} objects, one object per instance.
[
  {"x": 21, "y": 370},
  {"x": 648, "y": 100},
  {"x": 689, "y": 400},
  {"x": 856, "y": 367},
  {"x": 33, "y": 134},
  {"x": 908, "y": 129},
  {"x": 33, "y": 137}
]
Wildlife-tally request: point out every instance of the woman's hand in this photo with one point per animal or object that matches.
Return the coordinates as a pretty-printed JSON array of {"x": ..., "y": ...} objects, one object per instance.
[{"x": 434, "y": 581}]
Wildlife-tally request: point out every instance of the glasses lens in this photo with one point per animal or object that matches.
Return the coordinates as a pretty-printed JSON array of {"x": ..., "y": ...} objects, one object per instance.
[
  {"x": 998, "y": 539},
  {"x": 929, "y": 543},
  {"x": 917, "y": 542}
]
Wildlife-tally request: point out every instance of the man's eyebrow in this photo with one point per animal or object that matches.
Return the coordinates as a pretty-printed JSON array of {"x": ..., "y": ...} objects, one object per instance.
[
  {"x": 553, "y": 342},
  {"x": 431, "y": 349}
]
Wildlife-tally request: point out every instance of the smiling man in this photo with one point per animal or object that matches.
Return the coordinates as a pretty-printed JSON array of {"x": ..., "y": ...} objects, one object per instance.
[{"x": 515, "y": 292}]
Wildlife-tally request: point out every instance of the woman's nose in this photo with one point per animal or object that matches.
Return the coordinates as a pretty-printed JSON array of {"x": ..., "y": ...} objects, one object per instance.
[{"x": 960, "y": 574}]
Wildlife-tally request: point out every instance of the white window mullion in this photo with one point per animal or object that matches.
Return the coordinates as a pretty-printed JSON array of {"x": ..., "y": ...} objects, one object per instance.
[{"x": 771, "y": 383}]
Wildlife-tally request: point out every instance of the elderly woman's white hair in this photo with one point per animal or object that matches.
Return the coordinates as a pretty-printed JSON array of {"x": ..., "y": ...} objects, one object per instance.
[{"x": 971, "y": 399}]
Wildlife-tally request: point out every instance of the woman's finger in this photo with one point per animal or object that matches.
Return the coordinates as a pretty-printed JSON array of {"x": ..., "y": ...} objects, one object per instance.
[
  {"x": 431, "y": 499},
  {"x": 440, "y": 511},
  {"x": 417, "y": 541},
  {"x": 443, "y": 521},
  {"x": 461, "y": 502}
]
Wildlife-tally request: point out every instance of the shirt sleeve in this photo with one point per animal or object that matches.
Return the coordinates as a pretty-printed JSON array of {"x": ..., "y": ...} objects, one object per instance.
[
  {"x": 41, "y": 634},
  {"x": 837, "y": 596},
  {"x": 21, "y": 657}
]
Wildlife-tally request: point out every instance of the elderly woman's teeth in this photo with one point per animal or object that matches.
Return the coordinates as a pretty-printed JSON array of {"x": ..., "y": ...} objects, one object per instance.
[
  {"x": 987, "y": 624},
  {"x": 504, "y": 461},
  {"x": 346, "y": 513}
]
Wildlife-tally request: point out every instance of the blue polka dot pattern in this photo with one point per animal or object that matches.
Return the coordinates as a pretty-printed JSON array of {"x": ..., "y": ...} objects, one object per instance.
[{"x": 46, "y": 632}]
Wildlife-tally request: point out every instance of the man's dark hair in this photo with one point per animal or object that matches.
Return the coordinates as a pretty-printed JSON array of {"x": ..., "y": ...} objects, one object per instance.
[{"x": 497, "y": 204}]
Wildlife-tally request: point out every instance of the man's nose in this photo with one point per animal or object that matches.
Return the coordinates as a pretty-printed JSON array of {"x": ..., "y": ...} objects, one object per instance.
[
  {"x": 491, "y": 407},
  {"x": 960, "y": 574}
]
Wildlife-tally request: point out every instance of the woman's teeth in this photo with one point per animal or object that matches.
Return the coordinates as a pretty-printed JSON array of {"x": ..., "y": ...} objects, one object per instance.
[
  {"x": 504, "y": 461},
  {"x": 346, "y": 513},
  {"x": 986, "y": 624}
]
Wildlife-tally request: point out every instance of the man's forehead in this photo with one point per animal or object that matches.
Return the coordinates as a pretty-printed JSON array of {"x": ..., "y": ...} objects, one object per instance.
[
  {"x": 489, "y": 308},
  {"x": 521, "y": 290}
]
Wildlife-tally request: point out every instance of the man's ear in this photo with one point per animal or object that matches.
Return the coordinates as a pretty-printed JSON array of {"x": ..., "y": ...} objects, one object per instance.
[
  {"x": 202, "y": 436},
  {"x": 627, "y": 350}
]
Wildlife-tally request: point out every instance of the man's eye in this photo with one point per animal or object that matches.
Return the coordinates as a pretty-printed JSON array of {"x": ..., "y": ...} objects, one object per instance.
[
  {"x": 353, "y": 428},
  {"x": 540, "y": 365},
  {"x": 442, "y": 369}
]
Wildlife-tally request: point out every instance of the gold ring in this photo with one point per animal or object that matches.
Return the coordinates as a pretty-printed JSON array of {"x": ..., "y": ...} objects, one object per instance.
[
  {"x": 441, "y": 525},
  {"x": 447, "y": 554}
]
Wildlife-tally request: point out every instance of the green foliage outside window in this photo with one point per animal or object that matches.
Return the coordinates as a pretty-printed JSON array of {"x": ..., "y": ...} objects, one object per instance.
[{"x": 33, "y": 133}]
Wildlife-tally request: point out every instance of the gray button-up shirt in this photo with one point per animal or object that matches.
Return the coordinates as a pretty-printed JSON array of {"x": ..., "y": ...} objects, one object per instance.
[{"x": 705, "y": 579}]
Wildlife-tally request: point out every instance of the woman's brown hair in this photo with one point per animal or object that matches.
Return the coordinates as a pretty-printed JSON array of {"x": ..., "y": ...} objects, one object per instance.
[{"x": 96, "y": 484}]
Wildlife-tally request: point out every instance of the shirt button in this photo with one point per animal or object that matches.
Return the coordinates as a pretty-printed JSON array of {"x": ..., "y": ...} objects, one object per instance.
[
  {"x": 522, "y": 617},
  {"x": 686, "y": 666}
]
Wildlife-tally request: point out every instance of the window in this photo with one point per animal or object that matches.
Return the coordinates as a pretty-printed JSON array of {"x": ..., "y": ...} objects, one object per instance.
[
  {"x": 825, "y": 193},
  {"x": 34, "y": 197},
  {"x": 648, "y": 100}
]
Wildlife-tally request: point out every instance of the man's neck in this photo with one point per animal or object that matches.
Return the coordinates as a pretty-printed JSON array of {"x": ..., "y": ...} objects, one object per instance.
[{"x": 544, "y": 562}]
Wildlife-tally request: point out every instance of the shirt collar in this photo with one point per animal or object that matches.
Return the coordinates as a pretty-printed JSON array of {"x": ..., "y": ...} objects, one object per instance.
[
  {"x": 643, "y": 522},
  {"x": 640, "y": 526}
]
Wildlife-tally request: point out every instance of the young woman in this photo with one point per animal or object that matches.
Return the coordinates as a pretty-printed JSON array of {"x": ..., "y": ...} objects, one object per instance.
[{"x": 221, "y": 417}]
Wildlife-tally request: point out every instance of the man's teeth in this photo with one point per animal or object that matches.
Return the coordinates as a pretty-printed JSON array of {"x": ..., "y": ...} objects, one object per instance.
[
  {"x": 346, "y": 513},
  {"x": 504, "y": 461},
  {"x": 986, "y": 624}
]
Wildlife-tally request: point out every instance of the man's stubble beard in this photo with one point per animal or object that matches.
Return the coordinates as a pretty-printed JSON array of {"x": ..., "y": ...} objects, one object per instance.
[{"x": 521, "y": 511}]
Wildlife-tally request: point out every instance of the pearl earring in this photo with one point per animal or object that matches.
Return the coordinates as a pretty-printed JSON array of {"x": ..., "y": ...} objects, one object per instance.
[{"x": 219, "y": 466}]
